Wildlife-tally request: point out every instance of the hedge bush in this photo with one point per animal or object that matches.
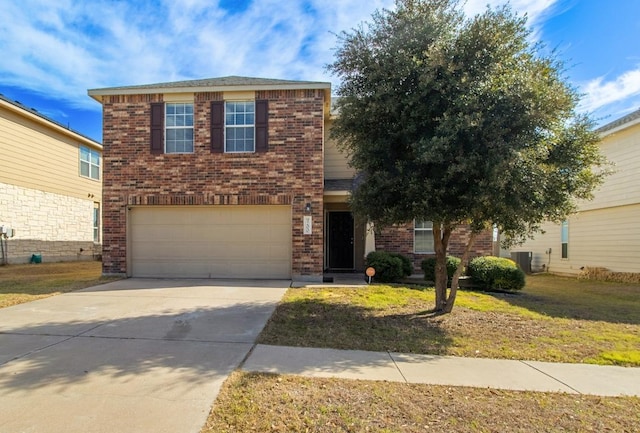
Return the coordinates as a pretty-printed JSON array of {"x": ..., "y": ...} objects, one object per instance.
[
  {"x": 407, "y": 264},
  {"x": 429, "y": 268},
  {"x": 389, "y": 266},
  {"x": 496, "y": 273}
]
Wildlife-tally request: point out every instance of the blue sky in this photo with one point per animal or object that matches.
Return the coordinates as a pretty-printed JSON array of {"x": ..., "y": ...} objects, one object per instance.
[{"x": 53, "y": 51}]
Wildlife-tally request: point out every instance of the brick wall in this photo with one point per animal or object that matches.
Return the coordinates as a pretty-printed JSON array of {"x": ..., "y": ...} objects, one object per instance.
[
  {"x": 399, "y": 239},
  {"x": 291, "y": 172}
]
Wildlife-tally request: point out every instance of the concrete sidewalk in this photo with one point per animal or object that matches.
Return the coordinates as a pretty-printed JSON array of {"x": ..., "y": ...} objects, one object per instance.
[{"x": 446, "y": 370}]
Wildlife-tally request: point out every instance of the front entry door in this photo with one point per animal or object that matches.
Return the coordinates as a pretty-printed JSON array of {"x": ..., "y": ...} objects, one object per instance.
[{"x": 340, "y": 225}]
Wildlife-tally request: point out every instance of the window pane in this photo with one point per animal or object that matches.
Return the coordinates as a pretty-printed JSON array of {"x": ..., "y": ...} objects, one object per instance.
[
  {"x": 84, "y": 154},
  {"x": 424, "y": 241},
  {"x": 84, "y": 168},
  {"x": 95, "y": 172},
  {"x": 564, "y": 232},
  {"x": 424, "y": 224}
]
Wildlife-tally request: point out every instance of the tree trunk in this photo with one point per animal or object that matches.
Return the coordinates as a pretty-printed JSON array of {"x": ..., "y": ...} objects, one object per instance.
[
  {"x": 441, "y": 236},
  {"x": 451, "y": 299}
]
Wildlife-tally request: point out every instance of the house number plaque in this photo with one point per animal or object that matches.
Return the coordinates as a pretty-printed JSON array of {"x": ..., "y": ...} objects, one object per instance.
[{"x": 307, "y": 222}]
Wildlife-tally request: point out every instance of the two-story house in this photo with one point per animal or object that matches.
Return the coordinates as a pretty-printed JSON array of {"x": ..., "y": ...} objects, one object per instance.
[
  {"x": 231, "y": 177},
  {"x": 50, "y": 188},
  {"x": 604, "y": 233}
]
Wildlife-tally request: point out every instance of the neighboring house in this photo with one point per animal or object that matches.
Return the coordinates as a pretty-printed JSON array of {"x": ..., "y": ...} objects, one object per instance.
[
  {"x": 606, "y": 231},
  {"x": 50, "y": 188},
  {"x": 229, "y": 177}
]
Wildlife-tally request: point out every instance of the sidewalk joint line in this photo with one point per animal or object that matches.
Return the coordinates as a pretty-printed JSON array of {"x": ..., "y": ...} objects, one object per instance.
[
  {"x": 551, "y": 377},
  {"x": 39, "y": 349},
  {"x": 246, "y": 357},
  {"x": 397, "y": 367}
]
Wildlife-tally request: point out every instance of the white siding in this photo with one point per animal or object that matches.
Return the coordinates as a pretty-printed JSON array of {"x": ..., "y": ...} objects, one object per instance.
[
  {"x": 606, "y": 231},
  {"x": 623, "y": 186},
  {"x": 335, "y": 161},
  {"x": 38, "y": 157}
]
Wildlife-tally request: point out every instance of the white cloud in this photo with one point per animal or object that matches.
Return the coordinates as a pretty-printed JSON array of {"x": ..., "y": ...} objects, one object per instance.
[
  {"x": 600, "y": 92},
  {"x": 62, "y": 48},
  {"x": 535, "y": 9}
]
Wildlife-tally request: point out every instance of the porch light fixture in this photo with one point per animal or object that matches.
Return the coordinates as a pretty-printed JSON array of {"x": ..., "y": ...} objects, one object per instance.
[{"x": 307, "y": 208}]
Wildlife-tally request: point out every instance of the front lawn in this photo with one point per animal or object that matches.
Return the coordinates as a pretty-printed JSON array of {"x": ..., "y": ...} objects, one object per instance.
[
  {"x": 250, "y": 402},
  {"x": 25, "y": 283},
  {"x": 552, "y": 319}
]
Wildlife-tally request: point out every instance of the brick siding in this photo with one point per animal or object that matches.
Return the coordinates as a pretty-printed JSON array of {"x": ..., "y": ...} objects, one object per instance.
[
  {"x": 291, "y": 172},
  {"x": 399, "y": 239}
]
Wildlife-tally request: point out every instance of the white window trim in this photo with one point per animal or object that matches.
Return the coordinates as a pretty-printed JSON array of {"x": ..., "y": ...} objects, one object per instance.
[
  {"x": 192, "y": 127},
  {"x": 415, "y": 229},
  {"x": 91, "y": 164},
  {"x": 96, "y": 207},
  {"x": 224, "y": 144}
]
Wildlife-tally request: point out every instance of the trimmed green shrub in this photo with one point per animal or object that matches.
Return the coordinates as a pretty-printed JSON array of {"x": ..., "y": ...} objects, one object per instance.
[
  {"x": 407, "y": 264},
  {"x": 388, "y": 268},
  {"x": 429, "y": 268},
  {"x": 496, "y": 273}
]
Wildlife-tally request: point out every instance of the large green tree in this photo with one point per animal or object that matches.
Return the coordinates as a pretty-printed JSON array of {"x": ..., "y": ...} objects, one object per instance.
[{"x": 460, "y": 121}]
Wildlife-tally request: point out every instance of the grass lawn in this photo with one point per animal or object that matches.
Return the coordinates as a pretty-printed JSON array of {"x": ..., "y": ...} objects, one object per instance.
[
  {"x": 552, "y": 319},
  {"x": 25, "y": 283},
  {"x": 251, "y": 402}
]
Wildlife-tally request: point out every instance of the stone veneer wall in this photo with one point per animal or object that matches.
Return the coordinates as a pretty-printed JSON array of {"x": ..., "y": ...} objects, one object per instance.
[
  {"x": 58, "y": 227},
  {"x": 290, "y": 172},
  {"x": 399, "y": 239}
]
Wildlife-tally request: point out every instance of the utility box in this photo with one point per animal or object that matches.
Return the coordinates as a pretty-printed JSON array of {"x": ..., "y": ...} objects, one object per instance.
[{"x": 523, "y": 260}]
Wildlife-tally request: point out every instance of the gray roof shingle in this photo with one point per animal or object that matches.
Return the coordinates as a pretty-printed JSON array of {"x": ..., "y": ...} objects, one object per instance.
[
  {"x": 619, "y": 122},
  {"x": 230, "y": 81}
]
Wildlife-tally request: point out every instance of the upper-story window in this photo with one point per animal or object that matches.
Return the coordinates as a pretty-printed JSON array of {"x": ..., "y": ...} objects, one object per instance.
[
  {"x": 89, "y": 163},
  {"x": 239, "y": 121},
  {"x": 179, "y": 128}
]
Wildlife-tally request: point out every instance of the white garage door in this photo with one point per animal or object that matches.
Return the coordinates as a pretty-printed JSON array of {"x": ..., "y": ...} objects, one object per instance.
[{"x": 210, "y": 241}]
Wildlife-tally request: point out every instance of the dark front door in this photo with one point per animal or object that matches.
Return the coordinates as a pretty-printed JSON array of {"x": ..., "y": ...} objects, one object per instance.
[{"x": 340, "y": 225}]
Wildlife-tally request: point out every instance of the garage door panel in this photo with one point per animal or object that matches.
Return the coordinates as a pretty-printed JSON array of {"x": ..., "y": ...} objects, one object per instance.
[{"x": 211, "y": 242}]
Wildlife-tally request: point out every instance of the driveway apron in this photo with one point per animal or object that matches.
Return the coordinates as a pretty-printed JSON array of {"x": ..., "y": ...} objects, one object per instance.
[{"x": 135, "y": 355}]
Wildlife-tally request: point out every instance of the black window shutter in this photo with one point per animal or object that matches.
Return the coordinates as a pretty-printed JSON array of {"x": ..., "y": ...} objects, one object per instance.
[
  {"x": 157, "y": 127},
  {"x": 217, "y": 126},
  {"x": 262, "y": 125}
]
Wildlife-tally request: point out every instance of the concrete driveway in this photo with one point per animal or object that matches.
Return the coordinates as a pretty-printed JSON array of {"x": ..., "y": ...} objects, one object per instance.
[{"x": 136, "y": 355}]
